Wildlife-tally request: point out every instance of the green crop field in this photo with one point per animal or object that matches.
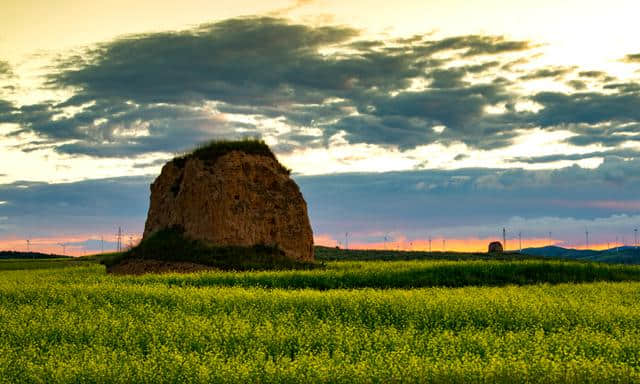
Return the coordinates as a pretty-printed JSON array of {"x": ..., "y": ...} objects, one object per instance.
[{"x": 466, "y": 321}]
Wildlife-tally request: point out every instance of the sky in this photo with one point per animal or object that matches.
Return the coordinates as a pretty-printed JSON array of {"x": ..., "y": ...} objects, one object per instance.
[{"x": 441, "y": 120}]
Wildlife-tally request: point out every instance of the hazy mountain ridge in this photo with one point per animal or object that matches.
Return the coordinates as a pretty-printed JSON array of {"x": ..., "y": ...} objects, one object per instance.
[
  {"x": 27, "y": 255},
  {"x": 624, "y": 254}
]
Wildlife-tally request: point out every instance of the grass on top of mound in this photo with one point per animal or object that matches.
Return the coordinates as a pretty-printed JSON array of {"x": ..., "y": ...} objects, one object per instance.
[
  {"x": 171, "y": 245},
  {"x": 212, "y": 150}
]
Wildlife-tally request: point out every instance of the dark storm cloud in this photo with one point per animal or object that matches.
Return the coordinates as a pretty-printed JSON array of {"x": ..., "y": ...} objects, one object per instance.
[
  {"x": 599, "y": 75},
  {"x": 5, "y": 69},
  {"x": 165, "y": 91},
  {"x": 622, "y": 153},
  {"x": 423, "y": 200},
  {"x": 398, "y": 130},
  {"x": 261, "y": 61},
  {"x": 479, "y": 68},
  {"x": 610, "y": 117},
  {"x": 596, "y": 118},
  {"x": 167, "y": 128},
  {"x": 592, "y": 74},
  {"x": 602, "y": 139},
  {"x": 555, "y": 72},
  {"x": 586, "y": 107},
  {"x": 628, "y": 87},
  {"x": 83, "y": 198},
  {"x": 577, "y": 84},
  {"x": 268, "y": 67},
  {"x": 455, "y": 108},
  {"x": 448, "y": 78},
  {"x": 474, "y": 45},
  {"x": 41, "y": 209},
  {"x": 6, "y": 109},
  {"x": 632, "y": 58},
  {"x": 461, "y": 110}
]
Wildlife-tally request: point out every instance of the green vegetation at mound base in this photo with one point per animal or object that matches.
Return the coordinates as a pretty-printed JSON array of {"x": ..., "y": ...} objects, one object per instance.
[{"x": 170, "y": 245}]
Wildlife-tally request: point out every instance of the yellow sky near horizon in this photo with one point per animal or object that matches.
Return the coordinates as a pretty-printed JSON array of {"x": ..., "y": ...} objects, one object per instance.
[
  {"x": 54, "y": 245},
  {"x": 580, "y": 32}
]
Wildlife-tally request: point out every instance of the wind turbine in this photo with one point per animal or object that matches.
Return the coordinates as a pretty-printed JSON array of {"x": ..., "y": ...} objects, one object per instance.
[
  {"x": 504, "y": 238},
  {"x": 64, "y": 248},
  {"x": 586, "y": 233},
  {"x": 119, "y": 238},
  {"x": 29, "y": 248},
  {"x": 520, "y": 241}
]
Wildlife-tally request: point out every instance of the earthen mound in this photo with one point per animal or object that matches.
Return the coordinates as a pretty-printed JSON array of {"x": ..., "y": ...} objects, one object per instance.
[
  {"x": 495, "y": 247},
  {"x": 232, "y": 194}
]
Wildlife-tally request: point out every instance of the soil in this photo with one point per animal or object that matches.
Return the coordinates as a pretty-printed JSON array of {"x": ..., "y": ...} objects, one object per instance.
[
  {"x": 140, "y": 267},
  {"x": 238, "y": 200}
]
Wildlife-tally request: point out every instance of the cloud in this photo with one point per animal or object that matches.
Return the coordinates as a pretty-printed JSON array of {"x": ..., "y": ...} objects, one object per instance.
[
  {"x": 586, "y": 107},
  {"x": 461, "y": 110},
  {"x": 608, "y": 119},
  {"x": 623, "y": 153},
  {"x": 599, "y": 75},
  {"x": 241, "y": 61},
  {"x": 5, "y": 69},
  {"x": 6, "y": 110},
  {"x": 395, "y": 129},
  {"x": 42, "y": 209},
  {"x": 632, "y": 58},
  {"x": 128, "y": 129},
  {"x": 161, "y": 91},
  {"x": 577, "y": 84},
  {"x": 167, "y": 91},
  {"x": 414, "y": 202},
  {"x": 554, "y": 72},
  {"x": 475, "y": 45},
  {"x": 448, "y": 78},
  {"x": 427, "y": 202}
]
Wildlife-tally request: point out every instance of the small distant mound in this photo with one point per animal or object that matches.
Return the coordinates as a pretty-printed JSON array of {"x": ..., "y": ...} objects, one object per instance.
[
  {"x": 169, "y": 250},
  {"x": 495, "y": 247}
]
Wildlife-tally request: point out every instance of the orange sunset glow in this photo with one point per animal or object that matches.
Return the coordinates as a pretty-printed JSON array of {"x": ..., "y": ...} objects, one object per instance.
[{"x": 452, "y": 244}]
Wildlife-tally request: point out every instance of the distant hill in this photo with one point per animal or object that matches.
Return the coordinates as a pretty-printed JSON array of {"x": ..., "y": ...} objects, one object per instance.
[
  {"x": 625, "y": 255},
  {"x": 337, "y": 254},
  {"x": 28, "y": 255}
]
